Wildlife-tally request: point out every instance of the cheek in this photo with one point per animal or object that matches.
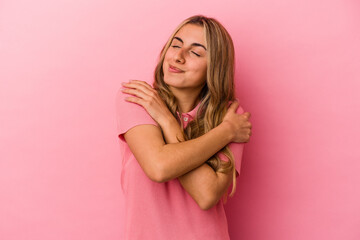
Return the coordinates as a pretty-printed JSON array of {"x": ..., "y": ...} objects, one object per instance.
[
  {"x": 169, "y": 53},
  {"x": 166, "y": 59},
  {"x": 202, "y": 70},
  {"x": 164, "y": 64},
  {"x": 199, "y": 75}
]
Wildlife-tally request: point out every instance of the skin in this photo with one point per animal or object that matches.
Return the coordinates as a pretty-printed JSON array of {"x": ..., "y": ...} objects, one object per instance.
[
  {"x": 192, "y": 60},
  {"x": 165, "y": 160}
]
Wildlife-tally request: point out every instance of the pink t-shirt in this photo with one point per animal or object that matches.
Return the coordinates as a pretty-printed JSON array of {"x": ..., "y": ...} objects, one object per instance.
[{"x": 163, "y": 211}]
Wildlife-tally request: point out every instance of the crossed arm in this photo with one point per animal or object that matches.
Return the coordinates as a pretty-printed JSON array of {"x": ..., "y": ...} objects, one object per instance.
[
  {"x": 163, "y": 161},
  {"x": 203, "y": 184}
]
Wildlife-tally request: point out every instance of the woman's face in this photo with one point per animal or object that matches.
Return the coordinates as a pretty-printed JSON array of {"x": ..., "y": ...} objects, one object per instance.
[{"x": 185, "y": 61}]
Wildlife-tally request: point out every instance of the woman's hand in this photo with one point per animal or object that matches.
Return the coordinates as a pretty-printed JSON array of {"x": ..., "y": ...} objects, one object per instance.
[
  {"x": 239, "y": 123},
  {"x": 144, "y": 95}
]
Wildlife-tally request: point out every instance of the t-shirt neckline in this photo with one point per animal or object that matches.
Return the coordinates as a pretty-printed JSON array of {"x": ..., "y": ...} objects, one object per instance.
[{"x": 191, "y": 113}]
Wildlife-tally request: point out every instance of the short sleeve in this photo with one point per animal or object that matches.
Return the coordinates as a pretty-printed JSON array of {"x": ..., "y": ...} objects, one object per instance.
[
  {"x": 129, "y": 115},
  {"x": 236, "y": 149}
]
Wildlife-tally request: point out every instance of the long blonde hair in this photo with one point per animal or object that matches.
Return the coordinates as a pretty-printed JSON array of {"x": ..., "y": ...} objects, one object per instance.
[{"x": 215, "y": 95}]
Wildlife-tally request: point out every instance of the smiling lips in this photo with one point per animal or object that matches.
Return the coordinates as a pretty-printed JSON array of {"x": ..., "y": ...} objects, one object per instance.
[{"x": 175, "y": 69}]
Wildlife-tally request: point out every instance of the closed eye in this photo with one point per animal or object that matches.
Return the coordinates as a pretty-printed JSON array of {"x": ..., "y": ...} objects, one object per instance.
[
  {"x": 175, "y": 46},
  {"x": 196, "y": 54}
]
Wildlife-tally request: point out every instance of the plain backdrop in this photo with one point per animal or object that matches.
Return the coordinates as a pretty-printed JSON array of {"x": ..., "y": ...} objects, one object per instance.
[{"x": 297, "y": 73}]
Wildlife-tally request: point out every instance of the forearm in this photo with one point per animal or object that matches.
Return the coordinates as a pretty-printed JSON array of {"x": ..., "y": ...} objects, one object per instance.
[
  {"x": 188, "y": 155},
  {"x": 205, "y": 185},
  {"x": 171, "y": 130},
  {"x": 202, "y": 183}
]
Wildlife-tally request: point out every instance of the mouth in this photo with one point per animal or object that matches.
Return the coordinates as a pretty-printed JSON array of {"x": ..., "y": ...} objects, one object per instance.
[{"x": 175, "y": 69}]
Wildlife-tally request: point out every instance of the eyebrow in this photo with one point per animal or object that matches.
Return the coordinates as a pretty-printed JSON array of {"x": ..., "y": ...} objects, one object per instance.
[{"x": 193, "y": 44}]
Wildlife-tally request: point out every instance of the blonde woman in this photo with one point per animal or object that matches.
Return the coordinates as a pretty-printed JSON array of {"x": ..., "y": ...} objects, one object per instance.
[{"x": 182, "y": 138}]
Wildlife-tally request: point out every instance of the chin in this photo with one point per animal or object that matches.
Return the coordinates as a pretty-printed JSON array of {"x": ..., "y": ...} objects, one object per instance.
[{"x": 171, "y": 81}]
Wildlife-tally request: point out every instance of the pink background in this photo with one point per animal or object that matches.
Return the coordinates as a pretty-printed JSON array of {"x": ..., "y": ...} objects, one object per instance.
[{"x": 298, "y": 73}]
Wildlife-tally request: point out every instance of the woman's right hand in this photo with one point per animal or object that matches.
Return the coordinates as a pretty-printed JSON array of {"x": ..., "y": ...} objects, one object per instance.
[
  {"x": 239, "y": 123},
  {"x": 141, "y": 93}
]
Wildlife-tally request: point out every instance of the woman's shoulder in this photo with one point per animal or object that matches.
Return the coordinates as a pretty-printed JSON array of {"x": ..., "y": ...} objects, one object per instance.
[
  {"x": 119, "y": 96},
  {"x": 129, "y": 115}
]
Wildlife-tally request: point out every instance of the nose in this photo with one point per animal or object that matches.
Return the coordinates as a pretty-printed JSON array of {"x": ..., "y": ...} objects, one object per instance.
[{"x": 179, "y": 58}]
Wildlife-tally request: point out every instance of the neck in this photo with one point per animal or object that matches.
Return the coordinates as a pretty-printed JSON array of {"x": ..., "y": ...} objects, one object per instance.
[{"x": 187, "y": 99}]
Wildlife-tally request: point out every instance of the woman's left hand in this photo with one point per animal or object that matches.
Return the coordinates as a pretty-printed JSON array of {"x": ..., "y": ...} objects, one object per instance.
[{"x": 147, "y": 97}]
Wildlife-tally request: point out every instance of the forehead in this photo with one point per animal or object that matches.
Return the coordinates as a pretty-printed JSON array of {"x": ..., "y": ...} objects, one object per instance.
[{"x": 191, "y": 33}]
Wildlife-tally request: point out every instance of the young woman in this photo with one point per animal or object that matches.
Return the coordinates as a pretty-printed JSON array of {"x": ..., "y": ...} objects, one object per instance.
[{"x": 182, "y": 139}]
